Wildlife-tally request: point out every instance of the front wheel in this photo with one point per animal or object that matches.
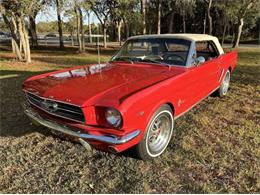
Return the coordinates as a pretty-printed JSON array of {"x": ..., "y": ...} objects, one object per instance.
[
  {"x": 158, "y": 134},
  {"x": 223, "y": 89}
]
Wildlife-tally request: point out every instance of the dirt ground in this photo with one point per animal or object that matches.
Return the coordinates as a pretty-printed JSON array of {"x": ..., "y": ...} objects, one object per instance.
[{"x": 216, "y": 147}]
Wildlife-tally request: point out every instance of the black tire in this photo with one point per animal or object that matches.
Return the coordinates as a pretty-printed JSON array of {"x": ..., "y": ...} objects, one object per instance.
[
  {"x": 223, "y": 89},
  {"x": 147, "y": 149}
]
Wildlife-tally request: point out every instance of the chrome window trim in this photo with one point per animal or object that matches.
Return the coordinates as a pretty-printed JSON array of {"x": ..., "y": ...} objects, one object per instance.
[{"x": 192, "y": 51}]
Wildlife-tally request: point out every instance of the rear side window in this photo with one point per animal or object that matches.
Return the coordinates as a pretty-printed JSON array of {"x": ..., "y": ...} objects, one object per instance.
[{"x": 207, "y": 49}]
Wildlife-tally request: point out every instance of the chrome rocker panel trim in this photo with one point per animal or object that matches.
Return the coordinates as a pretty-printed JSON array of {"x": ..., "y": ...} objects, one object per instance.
[{"x": 69, "y": 131}]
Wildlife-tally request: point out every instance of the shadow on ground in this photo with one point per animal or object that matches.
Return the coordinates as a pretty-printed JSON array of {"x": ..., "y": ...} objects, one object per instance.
[{"x": 13, "y": 120}]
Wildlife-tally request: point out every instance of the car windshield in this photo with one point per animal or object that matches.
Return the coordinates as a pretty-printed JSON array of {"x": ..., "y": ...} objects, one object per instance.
[{"x": 169, "y": 51}]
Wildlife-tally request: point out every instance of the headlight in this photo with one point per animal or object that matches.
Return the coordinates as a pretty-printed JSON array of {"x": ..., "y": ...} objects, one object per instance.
[{"x": 113, "y": 117}]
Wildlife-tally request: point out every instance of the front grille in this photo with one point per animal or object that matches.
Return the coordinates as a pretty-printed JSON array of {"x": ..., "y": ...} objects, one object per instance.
[{"x": 59, "y": 109}]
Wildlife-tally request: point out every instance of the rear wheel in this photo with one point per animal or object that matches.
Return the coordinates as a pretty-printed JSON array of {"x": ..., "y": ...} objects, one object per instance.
[
  {"x": 223, "y": 89},
  {"x": 158, "y": 134}
]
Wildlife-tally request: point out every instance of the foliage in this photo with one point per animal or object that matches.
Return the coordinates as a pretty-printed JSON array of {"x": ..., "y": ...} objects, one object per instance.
[
  {"x": 47, "y": 27},
  {"x": 123, "y": 17}
]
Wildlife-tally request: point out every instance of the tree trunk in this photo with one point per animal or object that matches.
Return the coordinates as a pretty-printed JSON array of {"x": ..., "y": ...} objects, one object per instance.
[
  {"x": 16, "y": 50},
  {"x": 209, "y": 17},
  {"x": 27, "y": 43},
  {"x": 127, "y": 30},
  {"x": 184, "y": 23},
  {"x": 23, "y": 44},
  {"x": 78, "y": 29},
  {"x": 119, "y": 25},
  {"x": 238, "y": 33},
  {"x": 159, "y": 6},
  {"x": 171, "y": 22},
  {"x": 81, "y": 30},
  {"x": 59, "y": 23},
  {"x": 241, "y": 15},
  {"x": 89, "y": 28},
  {"x": 72, "y": 37},
  {"x": 150, "y": 29},
  {"x": 24, "y": 39},
  {"x": 105, "y": 35},
  {"x": 13, "y": 46},
  {"x": 33, "y": 30},
  {"x": 143, "y": 11},
  {"x": 224, "y": 33},
  {"x": 204, "y": 24},
  {"x": 233, "y": 38},
  {"x": 15, "y": 42}
]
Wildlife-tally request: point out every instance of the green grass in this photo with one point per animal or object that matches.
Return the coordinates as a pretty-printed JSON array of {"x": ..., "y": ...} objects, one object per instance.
[{"x": 216, "y": 147}]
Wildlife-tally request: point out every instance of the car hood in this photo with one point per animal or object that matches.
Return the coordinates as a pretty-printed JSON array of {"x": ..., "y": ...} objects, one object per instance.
[{"x": 90, "y": 85}]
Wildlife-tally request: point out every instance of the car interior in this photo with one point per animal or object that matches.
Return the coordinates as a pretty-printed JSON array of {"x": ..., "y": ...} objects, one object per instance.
[
  {"x": 166, "y": 52},
  {"x": 206, "y": 49}
]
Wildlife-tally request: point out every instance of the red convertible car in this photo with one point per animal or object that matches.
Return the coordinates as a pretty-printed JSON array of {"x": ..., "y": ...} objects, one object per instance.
[{"x": 133, "y": 99}]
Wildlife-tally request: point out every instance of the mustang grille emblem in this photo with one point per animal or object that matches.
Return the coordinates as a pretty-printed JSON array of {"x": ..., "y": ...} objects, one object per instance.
[{"x": 50, "y": 106}]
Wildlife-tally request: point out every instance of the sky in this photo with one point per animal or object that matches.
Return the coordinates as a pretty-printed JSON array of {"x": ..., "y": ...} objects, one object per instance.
[{"x": 51, "y": 15}]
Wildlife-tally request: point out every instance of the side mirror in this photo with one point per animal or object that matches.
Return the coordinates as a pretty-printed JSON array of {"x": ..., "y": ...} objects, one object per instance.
[{"x": 199, "y": 60}]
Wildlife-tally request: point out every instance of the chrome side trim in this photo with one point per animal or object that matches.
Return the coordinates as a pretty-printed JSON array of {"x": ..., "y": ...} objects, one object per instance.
[
  {"x": 221, "y": 75},
  {"x": 76, "y": 132}
]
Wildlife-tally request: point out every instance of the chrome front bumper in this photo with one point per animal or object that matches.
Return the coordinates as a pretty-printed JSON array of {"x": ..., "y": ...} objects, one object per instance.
[{"x": 73, "y": 132}]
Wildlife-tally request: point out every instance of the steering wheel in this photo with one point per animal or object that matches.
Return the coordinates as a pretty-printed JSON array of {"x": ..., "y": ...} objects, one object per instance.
[{"x": 175, "y": 57}]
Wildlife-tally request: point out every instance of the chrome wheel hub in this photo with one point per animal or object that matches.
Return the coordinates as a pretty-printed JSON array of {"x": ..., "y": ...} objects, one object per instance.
[
  {"x": 159, "y": 133},
  {"x": 225, "y": 83}
]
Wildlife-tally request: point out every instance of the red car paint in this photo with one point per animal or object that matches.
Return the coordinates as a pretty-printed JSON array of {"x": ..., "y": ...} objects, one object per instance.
[{"x": 136, "y": 90}]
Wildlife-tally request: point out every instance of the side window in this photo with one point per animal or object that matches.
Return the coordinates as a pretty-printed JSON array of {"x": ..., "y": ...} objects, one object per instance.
[{"x": 206, "y": 49}]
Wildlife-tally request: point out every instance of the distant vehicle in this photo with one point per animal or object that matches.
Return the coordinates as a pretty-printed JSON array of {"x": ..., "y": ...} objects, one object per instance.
[
  {"x": 134, "y": 99},
  {"x": 51, "y": 35}
]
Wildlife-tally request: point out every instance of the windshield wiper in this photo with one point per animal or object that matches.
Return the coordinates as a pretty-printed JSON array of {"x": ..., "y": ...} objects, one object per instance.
[
  {"x": 125, "y": 59},
  {"x": 149, "y": 60},
  {"x": 154, "y": 61}
]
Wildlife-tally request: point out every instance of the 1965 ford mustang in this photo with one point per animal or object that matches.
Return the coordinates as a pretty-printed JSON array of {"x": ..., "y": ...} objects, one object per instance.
[{"x": 133, "y": 99}]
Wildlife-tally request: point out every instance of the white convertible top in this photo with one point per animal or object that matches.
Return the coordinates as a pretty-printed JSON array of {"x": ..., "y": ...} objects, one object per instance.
[{"x": 187, "y": 36}]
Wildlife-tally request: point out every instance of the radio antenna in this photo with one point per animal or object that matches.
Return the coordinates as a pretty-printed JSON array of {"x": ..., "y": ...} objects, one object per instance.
[{"x": 98, "y": 44}]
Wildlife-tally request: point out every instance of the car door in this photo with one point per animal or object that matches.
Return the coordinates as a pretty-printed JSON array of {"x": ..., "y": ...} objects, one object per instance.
[{"x": 207, "y": 73}]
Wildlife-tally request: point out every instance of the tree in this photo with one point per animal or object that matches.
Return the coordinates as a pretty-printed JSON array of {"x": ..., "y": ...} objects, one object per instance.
[
  {"x": 143, "y": 12},
  {"x": 32, "y": 29},
  {"x": 15, "y": 13},
  {"x": 101, "y": 8},
  {"x": 171, "y": 11},
  {"x": 70, "y": 27},
  {"x": 75, "y": 16},
  {"x": 39, "y": 4},
  {"x": 89, "y": 26},
  {"x": 123, "y": 12},
  {"x": 245, "y": 5},
  {"x": 185, "y": 9},
  {"x": 226, "y": 16},
  {"x": 159, "y": 7},
  {"x": 224, "y": 19},
  {"x": 131, "y": 16},
  {"x": 15, "y": 40},
  {"x": 209, "y": 3},
  {"x": 58, "y": 8},
  {"x": 80, "y": 30}
]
